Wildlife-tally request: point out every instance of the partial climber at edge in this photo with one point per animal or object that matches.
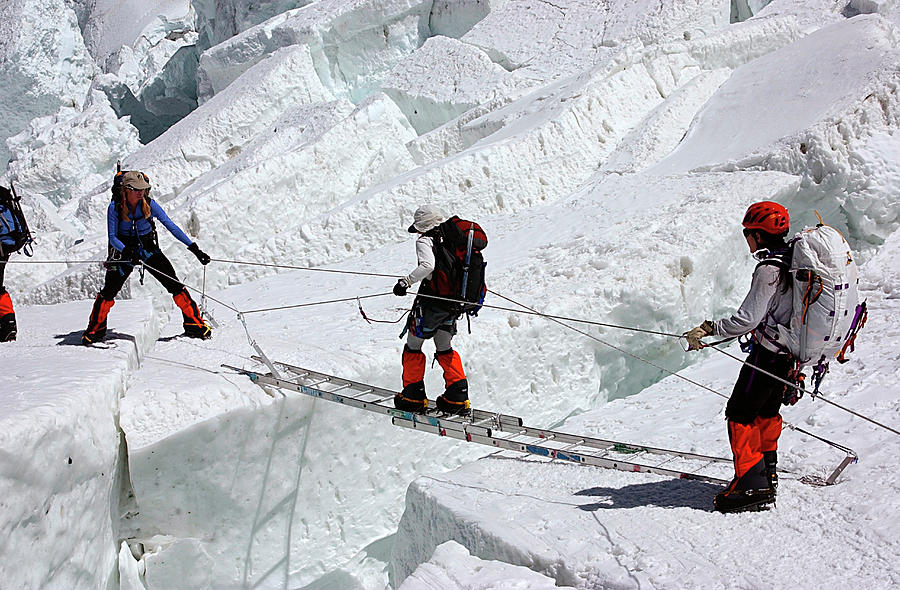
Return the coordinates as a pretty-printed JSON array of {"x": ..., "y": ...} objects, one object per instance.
[{"x": 14, "y": 237}]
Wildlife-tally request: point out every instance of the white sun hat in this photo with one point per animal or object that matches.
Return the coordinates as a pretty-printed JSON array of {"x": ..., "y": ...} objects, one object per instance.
[{"x": 425, "y": 218}]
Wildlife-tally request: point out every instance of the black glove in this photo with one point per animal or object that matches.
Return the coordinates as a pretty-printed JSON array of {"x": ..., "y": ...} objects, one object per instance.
[
  {"x": 202, "y": 256},
  {"x": 401, "y": 287}
]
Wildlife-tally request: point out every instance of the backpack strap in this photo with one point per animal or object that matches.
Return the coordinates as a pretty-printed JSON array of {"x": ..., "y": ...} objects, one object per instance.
[{"x": 781, "y": 259}]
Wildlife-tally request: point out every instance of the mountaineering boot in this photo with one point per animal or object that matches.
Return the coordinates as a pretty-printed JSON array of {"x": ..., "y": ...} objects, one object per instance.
[
  {"x": 7, "y": 317},
  {"x": 744, "y": 501},
  {"x": 194, "y": 326},
  {"x": 455, "y": 399},
  {"x": 412, "y": 398},
  {"x": 749, "y": 492},
  {"x": 771, "y": 460},
  {"x": 96, "y": 330}
]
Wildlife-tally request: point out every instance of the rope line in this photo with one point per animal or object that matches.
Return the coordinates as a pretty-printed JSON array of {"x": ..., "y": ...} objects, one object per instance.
[
  {"x": 295, "y": 306},
  {"x": 309, "y": 268},
  {"x": 55, "y": 261},
  {"x": 557, "y": 318},
  {"x": 614, "y": 347}
]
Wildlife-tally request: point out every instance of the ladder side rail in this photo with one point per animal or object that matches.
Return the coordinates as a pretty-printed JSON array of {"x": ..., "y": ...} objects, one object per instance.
[
  {"x": 298, "y": 370},
  {"x": 507, "y": 422},
  {"x": 624, "y": 447},
  {"x": 325, "y": 395},
  {"x": 546, "y": 452}
]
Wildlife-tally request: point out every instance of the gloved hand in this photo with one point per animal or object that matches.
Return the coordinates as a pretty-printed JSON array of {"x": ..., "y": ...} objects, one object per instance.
[
  {"x": 112, "y": 261},
  {"x": 401, "y": 287},
  {"x": 202, "y": 256},
  {"x": 694, "y": 335}
]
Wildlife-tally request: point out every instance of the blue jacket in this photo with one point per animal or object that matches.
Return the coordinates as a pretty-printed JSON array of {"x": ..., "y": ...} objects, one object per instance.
[{"x": 138, "y": 225}]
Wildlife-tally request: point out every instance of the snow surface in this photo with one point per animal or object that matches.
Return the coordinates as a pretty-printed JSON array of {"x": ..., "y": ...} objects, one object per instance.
[{"x": 609, "y": 150}]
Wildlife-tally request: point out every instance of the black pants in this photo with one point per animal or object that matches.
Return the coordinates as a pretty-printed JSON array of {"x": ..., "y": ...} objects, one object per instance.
[
  {"x": 3, "y": 258},
  {"x": 755, "y": 393},
  {"x": 155, "y": 261}
]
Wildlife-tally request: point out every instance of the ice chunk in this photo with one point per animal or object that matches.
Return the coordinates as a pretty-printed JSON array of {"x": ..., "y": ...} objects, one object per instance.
[
  {"x": 44, "y": 64},
  {"x": 218, "y": 130},
  {"x": 443, "y": 79},
  {"x": 354, "y": 43}
]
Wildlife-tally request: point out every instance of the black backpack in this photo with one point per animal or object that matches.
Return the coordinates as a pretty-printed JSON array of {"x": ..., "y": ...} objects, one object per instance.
[
  {"x": 14, "y": 232},
  {"x": 459, "y": 264}
]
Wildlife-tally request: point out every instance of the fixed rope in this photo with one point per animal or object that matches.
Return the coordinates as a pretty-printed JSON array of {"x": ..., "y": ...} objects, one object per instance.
[{"x": 55, "y": 261}]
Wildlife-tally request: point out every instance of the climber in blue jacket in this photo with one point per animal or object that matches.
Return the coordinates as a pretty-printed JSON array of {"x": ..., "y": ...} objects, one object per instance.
[{"x": 132, "y": 241}]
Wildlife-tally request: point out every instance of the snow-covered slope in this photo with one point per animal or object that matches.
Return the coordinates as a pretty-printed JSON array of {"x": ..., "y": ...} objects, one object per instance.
[{"x": 609, "y": 150}]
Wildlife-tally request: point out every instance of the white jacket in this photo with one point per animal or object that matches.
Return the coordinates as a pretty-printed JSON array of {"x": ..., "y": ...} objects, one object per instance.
[
  {"x": 766, "y": 305},
  {"x": 425, "y": 255}
]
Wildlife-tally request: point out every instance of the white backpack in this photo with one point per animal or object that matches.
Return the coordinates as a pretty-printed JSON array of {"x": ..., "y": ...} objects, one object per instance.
[{"x": 827, "y": 313}]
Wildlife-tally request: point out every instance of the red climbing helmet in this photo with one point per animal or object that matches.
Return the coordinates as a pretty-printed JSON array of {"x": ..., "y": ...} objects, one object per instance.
[{"x": 767, "y": 216}]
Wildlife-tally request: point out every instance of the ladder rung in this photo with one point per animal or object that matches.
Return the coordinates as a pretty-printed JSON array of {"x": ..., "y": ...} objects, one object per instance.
[
  {"x": 667, "y": 460},
  {"x": 362, "y": 393},
  {"x": 513, "y": 435},
  {"x": 483, "y": 420},
  {"x": 344, "y": 386},
  {"x": 570, "y": 445}
]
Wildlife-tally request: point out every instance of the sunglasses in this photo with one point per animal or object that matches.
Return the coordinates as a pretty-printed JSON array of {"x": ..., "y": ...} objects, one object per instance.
[{"x": 131, "y": 188}]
